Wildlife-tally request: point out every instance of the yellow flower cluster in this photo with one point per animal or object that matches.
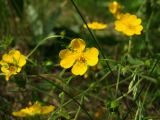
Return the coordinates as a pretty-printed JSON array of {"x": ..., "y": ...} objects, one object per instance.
[
  {"x": 96, "y": 26},
  {"x": 129, "y": 25},
  {"x": 12, "y": 63},
  {"x": 115, "y": 9},
  {"x": 126, "y": 23},
  {"x": 35, "y": 109},
  {"x": 78, "y": 57}
]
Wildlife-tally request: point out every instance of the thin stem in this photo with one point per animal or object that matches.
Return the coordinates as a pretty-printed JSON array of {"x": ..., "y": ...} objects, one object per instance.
[
  {"x": 147, "y": 43},
  {"x": 93, "y": 37},
  {"x": 117, "y": 83},
  {"x": 42, "y": 42},
  {"x": 79, "y": 108},
  {"x": 138, "y": 95},
  {"x": 69, "y": 101},
  {"x": 63, "y": 86},
  {"x": 124, "y": 95},
  {"x": 98, "y": 45},
  {"x": 61, "y": 73},
  {"x": 156, "y": 62},
  {"x": 69, "y": 95}
]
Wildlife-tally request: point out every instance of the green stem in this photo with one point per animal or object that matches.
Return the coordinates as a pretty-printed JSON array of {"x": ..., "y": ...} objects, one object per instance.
[
  {"x": 124, "y": 95},
  {"x": 61, "y": 73},
  {"x": 97, "y": 43},
  {"x": 79, "y": 108},
  {"x": 154, "y": 66},
  {"x": 146, "y": 43},
  {"x": 69, "y": 101},
  {"x": 93, "y": 37},
  {"x": 117, "y": 83},
  {"x": 42, "y": 42},
  {"x": 69, "y": 95}
]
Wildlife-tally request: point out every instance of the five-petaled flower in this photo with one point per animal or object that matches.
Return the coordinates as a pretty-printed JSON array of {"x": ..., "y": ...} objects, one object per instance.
[
  {"x": 78, "y": 57},
  {"x": 129, "y": 25},
  {"x": 35, "y": 109},
  {"x": 96, "y": 26},
  {"x": 12, "y": 63}
]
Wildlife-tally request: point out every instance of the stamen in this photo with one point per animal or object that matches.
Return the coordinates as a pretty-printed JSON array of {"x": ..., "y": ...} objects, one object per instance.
[
  {"x": 12, "y": 69},
  {"x": 82, "y": 59}
]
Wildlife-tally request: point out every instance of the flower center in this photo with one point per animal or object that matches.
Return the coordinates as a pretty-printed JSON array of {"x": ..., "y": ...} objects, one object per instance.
[
  {"x": 130, "y": 26},
  {"x": 81, "y": 59},
  {"x": 12, "y": 69}
]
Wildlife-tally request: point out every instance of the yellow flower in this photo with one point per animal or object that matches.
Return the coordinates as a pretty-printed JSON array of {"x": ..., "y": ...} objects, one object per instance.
[
  {"x": 12, "y": 63},
  {"x": 78, "y": 57},
  {"x": 129, "y": 25},
  {"x": 118, "y": 15},
  {"x": 115, "y": 9},
  {"x": 47, "y": 109},
  {"x": 96, "y": 26},
  {"x": 35, "y": 109}
]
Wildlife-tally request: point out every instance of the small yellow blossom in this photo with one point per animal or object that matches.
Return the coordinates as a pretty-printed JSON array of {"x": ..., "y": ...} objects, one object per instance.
[
  {"x": 35, "y": 109},
  {"x": 118, "y": 15},
  {"x": 115, "y": 9},
  {"x": 96, "y": 26},
  {"x": 129, "y": 25},
  {"x": 12, "y": 63},
  {"x": 78, "y": 57}
]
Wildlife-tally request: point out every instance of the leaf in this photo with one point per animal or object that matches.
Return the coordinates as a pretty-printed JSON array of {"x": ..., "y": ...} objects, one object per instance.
[
  {"x": 132, "y": 84},
  {"x": 113, "y": 106}
]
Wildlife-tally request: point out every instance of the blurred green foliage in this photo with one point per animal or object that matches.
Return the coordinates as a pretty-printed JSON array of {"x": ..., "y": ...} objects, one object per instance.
[{"x": 23, "y": 23}]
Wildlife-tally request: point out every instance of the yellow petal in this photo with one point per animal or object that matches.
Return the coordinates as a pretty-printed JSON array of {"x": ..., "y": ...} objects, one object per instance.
[
  {"x": 5, "y": 68},
  {"x": 15, "y": 54},
  {"x": 78, "y": 44},
  {"x": 7, "y": 77},
  {"x": 79, "y": 68},
  {"x": 138, "y": 30},
  {"x": 132, "y": 17},
  {"x": 22, "y": 61},
  {"x": 18, "y": 69},
  {"x": 118, "y": 26},
  {"x": 67, "y": 58},
  {"x": 96, "y": 26},
  {"x": 7, "y": 58},
  {"x": 91, "y": 56},
  {"x": 33, "y": 109},
  {"x": 137, "y": 22},
  {"x": 129, "y": 24},
  {"x": 114, "y": 7},
  {"x": 128, "y": 32},
  {"x": 118, "y": 15},
  {"x": 47, "y": 109},
  {"x": 65, "y": 53},
  {"x": 2, "y": 62},
  {"x": 19, "y": 114}
]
